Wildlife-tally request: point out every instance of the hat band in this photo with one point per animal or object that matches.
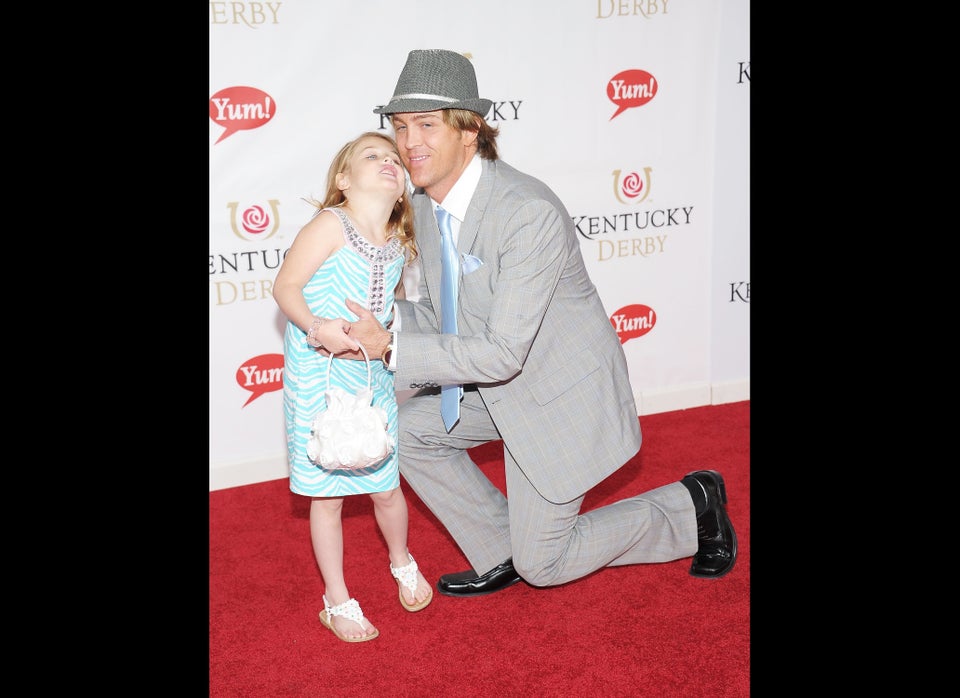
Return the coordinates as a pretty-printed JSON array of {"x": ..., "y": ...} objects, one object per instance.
[{"x": 419, "y": 95}]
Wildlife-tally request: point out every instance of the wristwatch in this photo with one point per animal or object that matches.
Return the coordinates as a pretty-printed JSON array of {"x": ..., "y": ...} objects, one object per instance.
[{"x": 387, "y": 355}]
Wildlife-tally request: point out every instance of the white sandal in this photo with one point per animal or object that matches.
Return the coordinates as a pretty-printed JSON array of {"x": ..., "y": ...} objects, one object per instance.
[
  {"x": 350, "y": 610},
  {"x": 406, "y": 577}
]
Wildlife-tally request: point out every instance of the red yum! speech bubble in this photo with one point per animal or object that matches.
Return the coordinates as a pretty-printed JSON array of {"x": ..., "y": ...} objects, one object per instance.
[
  {"x": 633, "y": 321},
  {"x": 261, "y": 374},
  {"x": 241, "y": 108},
  {"x": 631, "y": 88}
]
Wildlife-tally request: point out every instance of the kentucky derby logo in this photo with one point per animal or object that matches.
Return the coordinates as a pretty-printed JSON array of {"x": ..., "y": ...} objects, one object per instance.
[
  {"x": 631, "y": 186},
  {"x": 254, "y": 221}
]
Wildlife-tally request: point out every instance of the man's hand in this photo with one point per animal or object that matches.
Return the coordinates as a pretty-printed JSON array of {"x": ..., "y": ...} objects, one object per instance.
[{"x": 368, "y": 331}]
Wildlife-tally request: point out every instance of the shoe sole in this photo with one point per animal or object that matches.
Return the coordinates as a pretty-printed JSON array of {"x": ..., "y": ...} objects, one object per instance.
[
  {"x": 414, "y": 607},
  {"x": 463, "y": 595},
  {"x": 328, "y": 623},
  {"x": 722, "y": 489},
  {"x": 733, "y": 561}
]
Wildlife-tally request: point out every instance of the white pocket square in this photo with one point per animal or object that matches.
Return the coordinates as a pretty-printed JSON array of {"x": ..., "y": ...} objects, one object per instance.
[{"x": 470, "y": 263}]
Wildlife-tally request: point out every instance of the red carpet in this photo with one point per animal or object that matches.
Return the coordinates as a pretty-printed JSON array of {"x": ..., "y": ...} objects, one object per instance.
[{"x": 642, "y": 630}]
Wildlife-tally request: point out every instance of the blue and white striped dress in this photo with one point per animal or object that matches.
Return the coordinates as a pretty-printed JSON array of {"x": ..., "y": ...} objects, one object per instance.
[{"x": 367, "y": 274}]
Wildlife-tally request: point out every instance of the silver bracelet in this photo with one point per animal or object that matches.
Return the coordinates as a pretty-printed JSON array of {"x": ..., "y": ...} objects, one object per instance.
[{"x": 312, "y": 334}]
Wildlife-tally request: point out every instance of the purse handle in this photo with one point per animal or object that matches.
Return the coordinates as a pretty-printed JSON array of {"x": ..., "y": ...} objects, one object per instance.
[{"x": 365, "y": 358}]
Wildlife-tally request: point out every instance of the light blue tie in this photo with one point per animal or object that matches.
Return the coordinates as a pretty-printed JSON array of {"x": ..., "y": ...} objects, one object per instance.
[{"x": 449, "y": 394}]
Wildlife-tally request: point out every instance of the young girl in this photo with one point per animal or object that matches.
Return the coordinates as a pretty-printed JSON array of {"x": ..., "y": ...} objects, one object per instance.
[{"x": 354, "y": 247}]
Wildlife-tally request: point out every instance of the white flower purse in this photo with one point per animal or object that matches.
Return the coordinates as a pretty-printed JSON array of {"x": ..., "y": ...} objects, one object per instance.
[{"x": 351, "y": 434}]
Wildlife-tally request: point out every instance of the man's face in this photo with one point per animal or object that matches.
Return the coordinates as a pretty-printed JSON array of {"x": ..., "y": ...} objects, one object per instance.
[{"x": 434, "y": 154}]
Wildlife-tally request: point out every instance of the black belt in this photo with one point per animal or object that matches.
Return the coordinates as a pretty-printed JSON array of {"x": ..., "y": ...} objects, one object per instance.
[{"x": 467, "y": 388}]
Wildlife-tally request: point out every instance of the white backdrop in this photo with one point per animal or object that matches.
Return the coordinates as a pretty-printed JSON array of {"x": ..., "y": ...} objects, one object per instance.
[{"x": 635, "y": 113}]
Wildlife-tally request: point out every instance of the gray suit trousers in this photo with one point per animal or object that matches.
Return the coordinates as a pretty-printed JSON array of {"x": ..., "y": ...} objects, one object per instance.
[{"x": 550, "y": 543}]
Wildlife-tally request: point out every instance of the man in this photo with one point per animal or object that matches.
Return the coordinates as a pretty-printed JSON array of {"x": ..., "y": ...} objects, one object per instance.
[{"x": 539, "y": 361}]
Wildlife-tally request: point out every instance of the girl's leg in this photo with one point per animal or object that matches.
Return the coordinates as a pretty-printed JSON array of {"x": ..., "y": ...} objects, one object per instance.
[
  {"x": 326, "y": 534},
  {"x": 390, "y": 509}
]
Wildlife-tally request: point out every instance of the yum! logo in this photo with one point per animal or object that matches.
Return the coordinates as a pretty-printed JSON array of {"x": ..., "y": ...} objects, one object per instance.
[
  {"x": 241, "y": 108},
  {"x": 631, "y": 88},
  {"x": 633, "y": 321},
  {"x": 261, "y": 374}
]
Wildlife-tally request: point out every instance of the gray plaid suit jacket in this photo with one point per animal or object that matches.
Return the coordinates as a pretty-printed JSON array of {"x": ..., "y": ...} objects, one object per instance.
[{"x": 533, "y": 335}]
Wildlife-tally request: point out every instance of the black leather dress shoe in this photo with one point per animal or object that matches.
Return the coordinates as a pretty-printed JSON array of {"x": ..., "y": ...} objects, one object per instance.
[
  {"x": 718, "y": 541},
  {"x": 469, "y": 584}
]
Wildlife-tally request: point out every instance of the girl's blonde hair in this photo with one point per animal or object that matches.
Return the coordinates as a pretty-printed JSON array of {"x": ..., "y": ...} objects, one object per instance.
[{"x": 400, "y": 224}]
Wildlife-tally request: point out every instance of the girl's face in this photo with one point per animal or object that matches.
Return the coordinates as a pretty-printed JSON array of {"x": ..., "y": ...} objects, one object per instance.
[{"x": 375, "y": 165}]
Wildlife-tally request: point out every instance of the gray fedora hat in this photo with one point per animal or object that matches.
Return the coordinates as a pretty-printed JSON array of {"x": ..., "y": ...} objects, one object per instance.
[{"x": 436, "y": 79}]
